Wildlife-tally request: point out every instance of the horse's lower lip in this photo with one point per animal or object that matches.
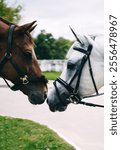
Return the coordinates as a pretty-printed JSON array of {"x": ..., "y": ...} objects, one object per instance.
[
  {"x": 61, "y": 109},
  {"x": 54, "y": 109}
]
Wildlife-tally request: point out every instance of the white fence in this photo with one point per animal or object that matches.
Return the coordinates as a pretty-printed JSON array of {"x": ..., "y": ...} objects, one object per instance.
[{"x": 52, "y": 65}]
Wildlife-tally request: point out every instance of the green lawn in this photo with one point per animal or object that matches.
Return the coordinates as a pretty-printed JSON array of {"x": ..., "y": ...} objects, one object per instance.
[
  {"x": 19, "y": 134},
  {"x": 51, "y": 75}
]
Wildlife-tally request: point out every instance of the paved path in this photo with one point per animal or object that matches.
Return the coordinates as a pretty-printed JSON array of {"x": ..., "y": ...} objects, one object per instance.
[{"x": 82, "y": 126}]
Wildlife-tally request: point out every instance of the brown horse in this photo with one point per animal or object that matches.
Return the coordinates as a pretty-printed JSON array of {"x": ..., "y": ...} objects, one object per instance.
[{"x": 18, "y": 62}]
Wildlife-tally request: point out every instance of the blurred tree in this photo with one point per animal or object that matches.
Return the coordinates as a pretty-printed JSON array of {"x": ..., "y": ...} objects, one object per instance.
[
  {"x": 44, "y": 45},
  {"x": 62, "y": 45},
  {"x": 10, "y": 13},
  {"x": 47, "y": 47}
]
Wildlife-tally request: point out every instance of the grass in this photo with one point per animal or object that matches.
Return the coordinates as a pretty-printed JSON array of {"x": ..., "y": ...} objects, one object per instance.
[
  {"x": 21, "y": 134},
  {"x": 51, "y": 75}
]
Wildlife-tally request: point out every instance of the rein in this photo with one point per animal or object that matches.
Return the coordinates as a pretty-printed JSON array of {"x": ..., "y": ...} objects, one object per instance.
[
  {"x": 73, "y": 92},
  {"x": 23, "y": 78}
]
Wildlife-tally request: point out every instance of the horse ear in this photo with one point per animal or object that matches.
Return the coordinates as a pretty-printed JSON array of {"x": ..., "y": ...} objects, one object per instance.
[
  {"x": 78, "y": 38},
  {"x": 32, "y": 28},
  {"x": 93, "y": 37},
  {"x": 26, "y": 28}
]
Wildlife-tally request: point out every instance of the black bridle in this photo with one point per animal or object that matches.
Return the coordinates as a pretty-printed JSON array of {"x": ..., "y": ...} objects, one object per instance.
[
  {"x": 24, "y": 79},
  {"x": 73, "y": 92}
]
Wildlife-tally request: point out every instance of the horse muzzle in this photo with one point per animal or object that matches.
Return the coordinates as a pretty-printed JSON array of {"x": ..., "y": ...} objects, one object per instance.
[
  {"x": 36, "y": 97},
  {"x": 56, "y": 107}
]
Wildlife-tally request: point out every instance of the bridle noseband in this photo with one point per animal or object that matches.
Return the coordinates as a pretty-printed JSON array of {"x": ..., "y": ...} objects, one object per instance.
[
  {"x": 73, "y": 92},
  {"x": 24, "y": 79}
]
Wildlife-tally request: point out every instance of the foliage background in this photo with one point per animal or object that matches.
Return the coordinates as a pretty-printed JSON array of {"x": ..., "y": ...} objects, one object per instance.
[
  {"x": 47, "y": 47},
  {"x": 11, "y": 13}
]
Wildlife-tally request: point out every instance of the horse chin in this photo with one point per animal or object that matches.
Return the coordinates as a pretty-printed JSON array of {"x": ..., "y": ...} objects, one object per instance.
[
  {"x": 60, "y": 109},
  {"x": 56, "y": 107}
]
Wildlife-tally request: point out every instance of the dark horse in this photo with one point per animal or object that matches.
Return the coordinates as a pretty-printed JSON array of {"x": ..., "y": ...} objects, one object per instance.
[{"x": 18, "y": 62}]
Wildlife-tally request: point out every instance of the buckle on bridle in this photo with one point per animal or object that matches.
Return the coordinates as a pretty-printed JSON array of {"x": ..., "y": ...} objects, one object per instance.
[
  {"x": 24, "y": 80},
  {"x": 74, "y": 98},
  {"x": 8, "y": 55}
]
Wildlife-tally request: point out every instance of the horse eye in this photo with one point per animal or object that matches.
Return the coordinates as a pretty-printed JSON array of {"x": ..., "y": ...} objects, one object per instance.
[
  {"x": 27, "y": 55},
  {"x": 70, "y": 65}
]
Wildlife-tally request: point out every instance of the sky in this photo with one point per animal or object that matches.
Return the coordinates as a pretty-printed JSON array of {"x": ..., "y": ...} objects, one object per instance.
[{"x": 55, "y": 16}]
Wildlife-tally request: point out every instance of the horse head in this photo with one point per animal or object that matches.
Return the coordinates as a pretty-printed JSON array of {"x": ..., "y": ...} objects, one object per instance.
[
  {"x": 18, "y": 62},
  {"x": 76, "y": 81}
]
